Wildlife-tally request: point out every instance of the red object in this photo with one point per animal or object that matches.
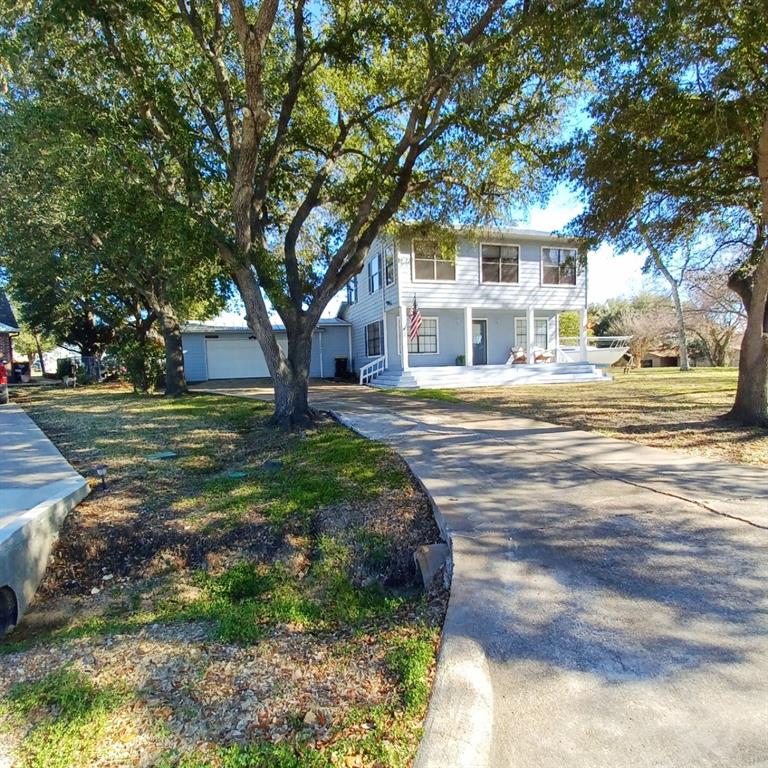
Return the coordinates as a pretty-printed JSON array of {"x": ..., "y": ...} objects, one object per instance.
[
  {"x": 415, "y": 324},
  {"x": 3, "y": 374}
]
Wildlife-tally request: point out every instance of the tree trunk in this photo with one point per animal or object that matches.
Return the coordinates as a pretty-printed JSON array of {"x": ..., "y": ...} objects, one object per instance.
[
  {"x": 290, "y": 373},
  {"x": 40, "y": 353},
  {"x": 291, "y": 382},
  {"x": 175, "y": 380},
  {"x": 682, "y": 337},
  {"x": 91, "y": 368},
  {"x": 751, "y": 404}
]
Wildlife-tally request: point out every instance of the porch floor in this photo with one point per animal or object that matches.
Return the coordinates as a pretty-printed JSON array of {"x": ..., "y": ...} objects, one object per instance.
[{"x": 458, "y": 376}]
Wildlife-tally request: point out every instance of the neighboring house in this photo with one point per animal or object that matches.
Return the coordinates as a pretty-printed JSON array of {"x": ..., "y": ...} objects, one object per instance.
[
  {"x": 8, "y": 328},
  {"x": 493, "y": 305},
  {"x": 662, "y": 358},
  {"x": 227, "y": 352},
  {"x": 669, "y": 357}
]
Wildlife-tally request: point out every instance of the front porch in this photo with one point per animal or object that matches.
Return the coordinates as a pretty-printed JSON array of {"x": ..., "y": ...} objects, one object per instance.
[
  {"x": 477, "y": 347},
  {"x": 461, "y": 376}
]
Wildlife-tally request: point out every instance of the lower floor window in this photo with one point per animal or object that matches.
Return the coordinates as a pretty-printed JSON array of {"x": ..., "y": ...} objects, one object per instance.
[
  {"x": 426, "y": 342},
  {"x": 521, "y": 332},
  {"x": 540, "y": 332},
  {"x": 374, "y": 334}
]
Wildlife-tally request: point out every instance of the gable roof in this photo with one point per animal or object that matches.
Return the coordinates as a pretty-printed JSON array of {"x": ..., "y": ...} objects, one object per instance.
[{"x": 8, "y": 322}]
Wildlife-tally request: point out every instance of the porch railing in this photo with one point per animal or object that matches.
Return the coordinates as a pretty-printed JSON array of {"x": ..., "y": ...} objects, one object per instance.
[
  {"x": 600, "y": 342},
  {"x": 371, "y": 370}
]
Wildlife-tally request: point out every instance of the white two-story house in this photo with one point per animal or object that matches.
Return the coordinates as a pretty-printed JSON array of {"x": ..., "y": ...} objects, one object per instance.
[{"x": 490, "y": 311}]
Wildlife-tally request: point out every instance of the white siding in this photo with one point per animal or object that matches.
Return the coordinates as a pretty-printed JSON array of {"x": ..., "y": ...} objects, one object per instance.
[
  {"x": 467, "y": 290},
  {"x": 369, "y": 307},
  {"x": 450, "y": 339},
  {"x": 498, "y": 303},
  {"x": 335, "y": 344},
  {"x": 393, "y": 340}
]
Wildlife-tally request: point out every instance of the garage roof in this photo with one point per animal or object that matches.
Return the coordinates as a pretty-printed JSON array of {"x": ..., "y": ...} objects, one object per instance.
[
  {"x": 8, "y": 322},
  {"x": 194, "y": 327}
]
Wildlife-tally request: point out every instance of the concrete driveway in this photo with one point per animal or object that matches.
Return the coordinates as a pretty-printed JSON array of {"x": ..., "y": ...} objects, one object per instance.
[{"x": 608, "y": 603}]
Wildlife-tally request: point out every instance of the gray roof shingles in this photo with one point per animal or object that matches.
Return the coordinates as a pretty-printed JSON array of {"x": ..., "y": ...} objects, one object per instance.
[{"x": 7, "y": 318}]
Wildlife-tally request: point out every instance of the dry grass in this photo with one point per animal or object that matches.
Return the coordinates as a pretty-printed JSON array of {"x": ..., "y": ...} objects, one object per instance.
[
  {"x": 661, "y": 408},
  {"x": 215, "y": 592}
]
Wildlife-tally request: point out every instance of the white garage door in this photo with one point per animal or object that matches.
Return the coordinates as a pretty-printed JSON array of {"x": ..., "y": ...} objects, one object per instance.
[{"x": 235, "y": 359}]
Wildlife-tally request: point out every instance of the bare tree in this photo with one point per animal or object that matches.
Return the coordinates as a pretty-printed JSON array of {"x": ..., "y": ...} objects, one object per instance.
[
  {"x": 715, "y": 315},
  {"x": 649, "y": 320}
]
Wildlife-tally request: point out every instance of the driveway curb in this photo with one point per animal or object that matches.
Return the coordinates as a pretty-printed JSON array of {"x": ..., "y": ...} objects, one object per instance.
[
  {"x": 44, "y": 489},
  {"x": 459, "y": 725}
]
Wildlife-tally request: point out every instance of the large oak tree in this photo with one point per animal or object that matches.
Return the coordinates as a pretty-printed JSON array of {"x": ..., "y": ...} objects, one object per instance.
[
  {"x": 296, "y": 131},
  {"x": 679, "y": 145}
]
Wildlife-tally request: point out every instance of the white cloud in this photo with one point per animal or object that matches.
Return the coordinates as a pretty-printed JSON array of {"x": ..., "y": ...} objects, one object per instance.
[{"x": 611, "y": 275}]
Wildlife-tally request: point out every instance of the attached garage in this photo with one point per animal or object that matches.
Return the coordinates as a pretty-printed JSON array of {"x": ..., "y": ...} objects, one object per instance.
[
  {"x": 224, "y": 352},
  {"x": 235, "y": 358}
]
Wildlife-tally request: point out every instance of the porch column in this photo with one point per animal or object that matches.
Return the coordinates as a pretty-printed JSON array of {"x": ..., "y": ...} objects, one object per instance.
[
  {"x": 404, "y": 336},
  {"x": 583, "y": 334},
  {"x": 384, "y": 338},
  {"x": 557, "y": 337},
  {"x": 468, "y": 346},
  {"x": 530, "y": 359}
]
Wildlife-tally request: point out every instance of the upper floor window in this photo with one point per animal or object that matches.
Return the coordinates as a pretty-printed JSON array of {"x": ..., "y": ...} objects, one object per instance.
[
  {"x": 558, "y": 266},
  {"x": 499, "y": 264},
  {"x": 374, "y": 338},
  {"x": 352, "y": 291},
  {"x": 389, "y": 265},
  {"x": 430, "y": 264},
  {"x": 374, "y": 274}
]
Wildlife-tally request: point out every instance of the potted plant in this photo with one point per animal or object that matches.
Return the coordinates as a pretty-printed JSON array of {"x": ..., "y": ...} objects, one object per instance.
[{"x": 460, "y": 360}]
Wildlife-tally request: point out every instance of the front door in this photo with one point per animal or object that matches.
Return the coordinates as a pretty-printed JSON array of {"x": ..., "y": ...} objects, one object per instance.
[{"x": 479, "y": 342}]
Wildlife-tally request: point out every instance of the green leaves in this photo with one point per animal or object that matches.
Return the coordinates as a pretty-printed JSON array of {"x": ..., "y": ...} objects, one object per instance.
[
  {"x": 675, "y": 120},
  {"x": 341, "y": 81}
]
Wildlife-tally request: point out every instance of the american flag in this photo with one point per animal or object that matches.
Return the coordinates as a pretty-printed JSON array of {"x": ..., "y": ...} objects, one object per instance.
[{"x": 415, "y": 323}]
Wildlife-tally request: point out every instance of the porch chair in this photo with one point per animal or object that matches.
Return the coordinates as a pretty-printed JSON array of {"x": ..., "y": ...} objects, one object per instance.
[{"x": 517, "y": 357}]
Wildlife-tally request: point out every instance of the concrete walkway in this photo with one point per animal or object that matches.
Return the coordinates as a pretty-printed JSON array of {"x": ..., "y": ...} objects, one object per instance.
[
  {"x": 38, "y": 488},
  {"x": 608, "y": 603}
]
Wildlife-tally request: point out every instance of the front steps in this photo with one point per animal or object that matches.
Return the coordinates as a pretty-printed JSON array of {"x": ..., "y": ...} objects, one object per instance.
[{"x": 456, "y": 376}]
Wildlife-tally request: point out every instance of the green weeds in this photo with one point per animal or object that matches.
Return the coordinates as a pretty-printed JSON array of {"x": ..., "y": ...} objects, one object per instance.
[
  {"x": 410, "y": 660},
  {"x": 71, "y": 714}
]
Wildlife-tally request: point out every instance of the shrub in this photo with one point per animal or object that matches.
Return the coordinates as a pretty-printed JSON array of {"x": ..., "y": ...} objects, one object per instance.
[{"x": 142, "y": 362}]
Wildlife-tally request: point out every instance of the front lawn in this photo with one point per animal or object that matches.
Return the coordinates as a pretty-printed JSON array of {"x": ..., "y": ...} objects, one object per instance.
[
  {"x": 658, "y": 407},
  {"x": 248, "y": 601}
]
